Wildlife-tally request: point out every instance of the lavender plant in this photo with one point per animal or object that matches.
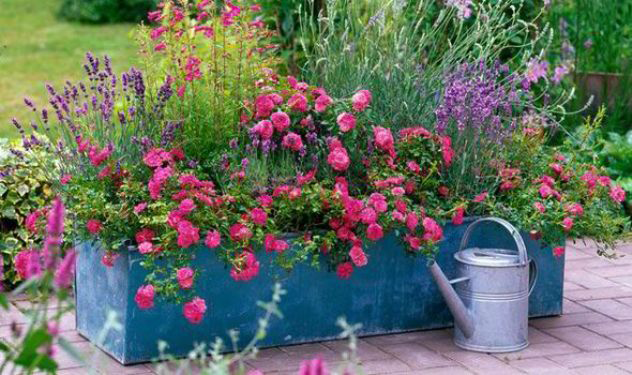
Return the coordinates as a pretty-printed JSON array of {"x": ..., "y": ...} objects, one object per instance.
[{"x": 106, "y": 113}]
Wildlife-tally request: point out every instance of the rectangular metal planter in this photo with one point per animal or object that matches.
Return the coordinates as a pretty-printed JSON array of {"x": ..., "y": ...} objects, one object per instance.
[{"x": 393, "y": 293}]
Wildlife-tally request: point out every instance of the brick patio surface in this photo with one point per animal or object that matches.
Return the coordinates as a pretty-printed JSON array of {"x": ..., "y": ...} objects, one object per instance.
[{"x": 594, "y": 336}]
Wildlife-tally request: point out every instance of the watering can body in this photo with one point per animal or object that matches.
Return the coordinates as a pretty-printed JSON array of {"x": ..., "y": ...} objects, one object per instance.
[{"x": 489, "y": 299}]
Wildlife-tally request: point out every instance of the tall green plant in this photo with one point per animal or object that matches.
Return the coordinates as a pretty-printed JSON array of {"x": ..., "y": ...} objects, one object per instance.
[
  {"x": 214, "y": 57},
  {"x": 401, "y": 50}
]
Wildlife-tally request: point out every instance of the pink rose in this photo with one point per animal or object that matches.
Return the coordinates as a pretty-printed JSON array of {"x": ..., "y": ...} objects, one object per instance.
[
  {"x": 346, "y": 121},
  {"x": 368, "y": 215},
  {"x": 213, "y": 239},
  {"x": 194, "y": 310},
  {"x": 187, "y": 234},
  {"x": 383, "y": 139},
  {"x": 400, "y": 205},
  {"x": 545, "y": 191},
  {"x": 108, "y": 259},
  {"x": 297, "y": 102},
  {"x": 245, "y": 268},
  {"x": 264, "y": 129},
  {"x": 540, "y": 207},
  {"x": 557, "y": 168},
  {"x": 374, "y": 232},
  {"x": 239, "y": 232},
  {"x": 413, "y": 167},
  {"x": 575, "y": 209},
  {"x": 145, "y": 297},
  {"x": 398, "y": 191},
  {"x": 398, "y": 216},
  {"x": 263, "y": 106},
  {"x": 258, "y": 216},
  {"x": 292, "y": 141},
  {"x": 432, "y": 230},
  {"x": 360, "y": 100},
  {"x": 265, "y": 200},
  {"x": 140, "y": 208},
  {"x": 344, "y": 270},
  {"x": 358, "y": 256},
  {"x": 295, "y": 193},
  {"x": 145, "y": 248},
  {"x": 338, "y": 159},
  {"x": 186, "y": 206},
  {"x": 144, "y": 235},
  {"x": 617, "y": 193},
  {"x": 185, "y": 277},
  {"x": 480, "y": 198},
  {"x": 412, "y": 221},
  {"x": 322, "y": 102},
  {"x": 281, "y": 121},
  {"x": 94, "y": 226},
  {"x": 558, "y": 251},
  {"x": 27, "y": 264},
  {"x": 378, "y": 201},
  {"x": 457, "y": 219},
  {"x": 567, "y": 223}
]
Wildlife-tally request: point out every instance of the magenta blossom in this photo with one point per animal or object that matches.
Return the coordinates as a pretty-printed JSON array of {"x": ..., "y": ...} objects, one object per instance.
[
  {"x": 145, "y": 297},
  {"x": 185, "y": 277},
  {"x": 65, "y": 270},
  {"x": 361, "y": 100},
  {"x": 346, "y": 121},
  {"x": 194, "y": 310},
  {"x": 213, "y": 239}
]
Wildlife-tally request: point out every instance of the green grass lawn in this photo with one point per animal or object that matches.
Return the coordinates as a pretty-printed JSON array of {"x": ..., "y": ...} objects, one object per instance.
[{"x": 38, "y": 48}]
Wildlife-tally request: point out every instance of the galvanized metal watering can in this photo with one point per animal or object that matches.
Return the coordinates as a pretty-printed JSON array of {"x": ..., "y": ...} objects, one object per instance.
[{"x": 489, "y": 299}]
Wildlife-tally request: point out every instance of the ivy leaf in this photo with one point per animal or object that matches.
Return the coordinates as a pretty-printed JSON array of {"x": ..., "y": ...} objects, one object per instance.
[{"x": 23, "y": 190}]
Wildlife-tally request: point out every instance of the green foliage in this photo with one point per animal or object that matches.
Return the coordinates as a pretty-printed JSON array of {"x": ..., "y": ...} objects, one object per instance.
[
  {"x": 402, "y": 50},
  {"x": 25, "y": 188},
  {"x": 578, "y": 182},
  {"x": 106, "y": 11}
]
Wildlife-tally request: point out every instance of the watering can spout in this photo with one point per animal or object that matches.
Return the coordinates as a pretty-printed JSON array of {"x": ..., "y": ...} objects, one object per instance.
[{"x": 461, "y": 316}]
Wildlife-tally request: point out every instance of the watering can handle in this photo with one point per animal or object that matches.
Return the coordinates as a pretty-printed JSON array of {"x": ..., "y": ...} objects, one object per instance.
[{"x": 522, "y": 249}]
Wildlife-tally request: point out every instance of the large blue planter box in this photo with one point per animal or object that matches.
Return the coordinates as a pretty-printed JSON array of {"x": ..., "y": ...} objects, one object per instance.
[{"x": 393, "y": 293}]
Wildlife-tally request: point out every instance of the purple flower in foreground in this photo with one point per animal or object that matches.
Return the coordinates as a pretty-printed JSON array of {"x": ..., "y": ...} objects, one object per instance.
[
  {"x": 560, "y": 72},
  {"x": 536, "y": 69}
]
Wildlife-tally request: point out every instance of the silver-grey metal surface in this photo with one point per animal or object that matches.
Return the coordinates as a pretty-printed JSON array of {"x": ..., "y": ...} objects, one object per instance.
[{"x": 489, "y": 299}]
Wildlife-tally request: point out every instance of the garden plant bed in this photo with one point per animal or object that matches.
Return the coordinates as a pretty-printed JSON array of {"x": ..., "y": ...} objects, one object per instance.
[{"x": 393, "y": 293}]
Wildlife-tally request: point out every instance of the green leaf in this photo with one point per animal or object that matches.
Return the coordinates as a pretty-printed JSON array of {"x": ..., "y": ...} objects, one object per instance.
[
  {"x": 30, "y": 356},
  {"x": 23, "y": 190},
  {"x": 3, "y": 189},
  {"x": 4, "y": 302}
]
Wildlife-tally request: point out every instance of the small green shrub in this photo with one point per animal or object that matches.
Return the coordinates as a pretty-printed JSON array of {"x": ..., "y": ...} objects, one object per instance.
[
  {"x": 106, "y": 11},
  {"x": 25, "y": 186}
]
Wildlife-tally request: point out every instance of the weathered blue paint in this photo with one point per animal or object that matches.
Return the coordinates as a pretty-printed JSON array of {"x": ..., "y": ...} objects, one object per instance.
[{"x": 393, "y": 293}]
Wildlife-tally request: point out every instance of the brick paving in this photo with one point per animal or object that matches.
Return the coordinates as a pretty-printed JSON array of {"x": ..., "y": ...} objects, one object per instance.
[{"x": 594, "y": 336}]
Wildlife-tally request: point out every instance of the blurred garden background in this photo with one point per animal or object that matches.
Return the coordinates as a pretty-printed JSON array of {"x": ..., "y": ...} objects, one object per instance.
[{"x": 37, "y": 45}]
